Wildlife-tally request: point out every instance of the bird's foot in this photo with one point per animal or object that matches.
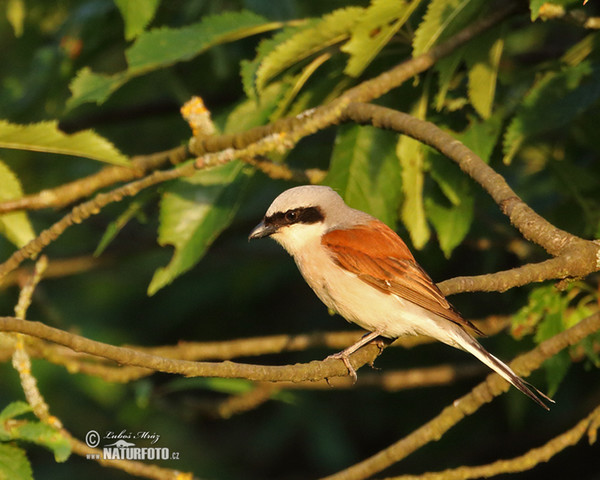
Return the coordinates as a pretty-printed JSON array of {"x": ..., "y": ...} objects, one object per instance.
[{"x": 344, "y": 357}]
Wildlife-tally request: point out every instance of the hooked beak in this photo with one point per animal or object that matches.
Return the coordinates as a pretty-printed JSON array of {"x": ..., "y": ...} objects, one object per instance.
[{"x": 262, "y": 230}]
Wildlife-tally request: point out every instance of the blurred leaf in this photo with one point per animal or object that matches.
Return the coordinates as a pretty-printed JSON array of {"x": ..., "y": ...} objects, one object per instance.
[
  {"x": 365, "y": 171},
  {"x": 553, "y": 102},
  {"x": 193, "y": 212},
  {"x": 329, "y": 30},
  {"x": 46, "y": 137},
  {"x": 446, "y": 68},
  {"x": 14, "y": 464},
  {"x": 379, "y": 23},
  {"x": 15, "y": 14},
  {"x": 134, "y": 209},
  {"x": 163, "y": 47},
  {"x": 137, "y": 14},
  {"x": 535, "y": 5},
  {"x": 13, "y": 409},
  {"x": 15, "y": 226},
  {"x": 45, "y": 435},
  {"x": 483, "y": 59},
  {"x": 443, "y": 19}
]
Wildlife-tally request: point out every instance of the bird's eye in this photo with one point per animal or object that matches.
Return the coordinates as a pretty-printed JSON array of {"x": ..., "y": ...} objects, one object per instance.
[{"x": 291, "y": 216}]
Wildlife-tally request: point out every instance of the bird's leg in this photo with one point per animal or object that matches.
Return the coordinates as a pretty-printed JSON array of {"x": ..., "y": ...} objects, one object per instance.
[{"x": 345, "y": 354}]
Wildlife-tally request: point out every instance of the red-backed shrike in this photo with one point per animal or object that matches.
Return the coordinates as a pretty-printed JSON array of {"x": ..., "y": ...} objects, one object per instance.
[{"x": 361, "y": 268}]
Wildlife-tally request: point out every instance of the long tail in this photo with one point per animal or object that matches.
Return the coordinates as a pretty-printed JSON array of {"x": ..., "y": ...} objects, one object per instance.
[{"x": 469, "y": 344}]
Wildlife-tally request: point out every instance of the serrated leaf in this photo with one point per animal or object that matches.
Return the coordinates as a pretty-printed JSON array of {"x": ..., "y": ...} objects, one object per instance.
[
  {"x": 137, "y": 14},
  {"x": 329, "y": 30},
  {"x": 553, "y": 102},
  {"x": 88, "y": 86},
  {"x": 248, "y": 68},
  {"x": 380, "y": 22},
  {"x": 15, "y": 226},
  {"x": 483, "y": 59},
  {"x": 14, "y": 409},
  {"x": 193, "y": 212},
  {"x": 46, "y": 137},
  {"x": 452, "y": 223},
  {"x": 442, "y": 19},
  {"x": 163, "y": 47},
  {"x": 365, "y": 171},
  {"x": 14, "y": 464}
]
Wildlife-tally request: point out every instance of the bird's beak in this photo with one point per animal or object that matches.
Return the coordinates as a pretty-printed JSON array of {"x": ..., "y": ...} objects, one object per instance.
[{"x": 262, "y": 230}]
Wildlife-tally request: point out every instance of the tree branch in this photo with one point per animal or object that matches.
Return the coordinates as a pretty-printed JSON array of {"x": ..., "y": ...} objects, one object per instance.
[
  {"x": 468, "y": 404},
  {"x": 574, "y": 257},
  {"x": 523, "y": 462}
]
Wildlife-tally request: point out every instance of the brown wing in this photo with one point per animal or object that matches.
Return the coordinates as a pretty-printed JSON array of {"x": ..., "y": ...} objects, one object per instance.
[{"x": 388, "y": 266}]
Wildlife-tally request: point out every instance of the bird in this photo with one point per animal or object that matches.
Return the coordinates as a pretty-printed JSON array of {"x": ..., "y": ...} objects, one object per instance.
[{"x": 361, "y": 269}]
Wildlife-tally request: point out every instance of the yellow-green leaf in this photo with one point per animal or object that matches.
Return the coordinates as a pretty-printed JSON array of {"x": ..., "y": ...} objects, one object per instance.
[
  {"x": 137, "y": 14},
  {"x": 443, "y": 19},
  {"x": 15, "y": 14},
  {"x": 378, "y": 25},
  {"x": 15, "y": 226},
  {"x": 46, "y": 137},
  {"x": 331, "y": 29},
  {"x": 411, "y": 156},
  {"x": 483, "y": 59}
]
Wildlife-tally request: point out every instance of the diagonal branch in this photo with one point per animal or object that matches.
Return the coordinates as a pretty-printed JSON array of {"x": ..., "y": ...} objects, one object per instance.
[
  {"x": 574, "y": 256},
  {"x": 468, "y": 404},
  {"x": 523, "y": 462}
]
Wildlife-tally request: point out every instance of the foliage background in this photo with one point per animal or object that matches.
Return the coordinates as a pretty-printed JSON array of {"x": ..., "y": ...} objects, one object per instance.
[{"x": 240, "y": 290}]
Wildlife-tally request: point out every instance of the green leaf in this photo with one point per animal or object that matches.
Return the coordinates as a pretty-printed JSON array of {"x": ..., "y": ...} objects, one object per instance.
[
  {"x": 248, "y": 68},
  {"x": 12, "y": 410},
  {"x": 481, "y": 136},
  {"x": 552, "y": 324},
  {"x": 443, "y": 19},
  {"x": 88, "y": 86},
  {"x": 137, "y": 14},
  {"x": 15, "y": 226},
  {"x": 380, "y": 22},
  {"x": 45, "y": 435},
  {"x": 483, "y": 59},
  {"x": 411, "y": 155},
  {"x": 451, "y": 223},
  {"x": 193, "y": 212},
  {"x": 330, "y": 29},
  {"x": 552, "y": 103},
  {"x": 14, "y": 464},
  {"x": 46, "y": 137},
  {"x": 365, "y": 171},
  {"x": 163, "y": 47},
  {"x": 446, "y": 68}
]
